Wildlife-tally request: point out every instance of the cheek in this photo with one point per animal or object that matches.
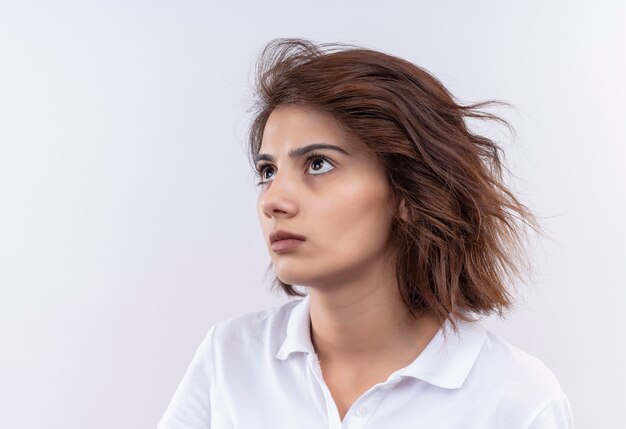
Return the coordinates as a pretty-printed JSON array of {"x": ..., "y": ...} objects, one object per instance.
[
  {"x": 265, "y": 223},
  {"x": 261, "y": 217},
  {"x": 357, "y": 217}
]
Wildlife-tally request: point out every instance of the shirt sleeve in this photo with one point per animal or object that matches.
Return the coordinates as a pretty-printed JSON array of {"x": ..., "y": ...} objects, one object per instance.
[
  {"x": 557, "y": 414},
  {"x": 190, "y": 407}
]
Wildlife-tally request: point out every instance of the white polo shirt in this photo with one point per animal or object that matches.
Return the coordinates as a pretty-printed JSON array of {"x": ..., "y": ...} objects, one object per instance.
[{"x": 260, "y": 370}]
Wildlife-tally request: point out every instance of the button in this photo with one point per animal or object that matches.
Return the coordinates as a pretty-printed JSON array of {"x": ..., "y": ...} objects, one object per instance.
[{"x": 361, "y": 411}]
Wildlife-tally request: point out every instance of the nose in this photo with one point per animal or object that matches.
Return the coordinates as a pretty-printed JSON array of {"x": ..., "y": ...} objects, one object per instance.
[{"x": 278, "y": 197}]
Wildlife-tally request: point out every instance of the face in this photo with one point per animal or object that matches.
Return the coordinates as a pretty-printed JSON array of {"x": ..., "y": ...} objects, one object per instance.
[{"x": 339, "y": 200}]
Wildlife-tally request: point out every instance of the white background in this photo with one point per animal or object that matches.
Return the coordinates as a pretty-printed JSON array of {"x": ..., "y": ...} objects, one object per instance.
[{"x": 127, "y": 206}]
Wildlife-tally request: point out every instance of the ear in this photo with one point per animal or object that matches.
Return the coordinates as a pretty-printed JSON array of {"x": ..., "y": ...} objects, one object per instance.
[{"x": 404, "y": 212}]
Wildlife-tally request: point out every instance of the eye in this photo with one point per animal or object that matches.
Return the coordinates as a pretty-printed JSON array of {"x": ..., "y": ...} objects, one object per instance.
[
  {"x": 261, "y": 169},
  {"x": 316, "y": 157},
  {"x": 324, "y": 161}
]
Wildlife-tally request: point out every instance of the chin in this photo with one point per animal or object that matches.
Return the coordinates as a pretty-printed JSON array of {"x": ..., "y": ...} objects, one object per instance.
[
  {"x": 294, "y": 275},
  {"x": 291, "y": 279}
]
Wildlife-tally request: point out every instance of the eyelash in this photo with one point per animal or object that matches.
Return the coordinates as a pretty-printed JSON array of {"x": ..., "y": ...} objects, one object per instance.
[{"x": 312, "y": 157}]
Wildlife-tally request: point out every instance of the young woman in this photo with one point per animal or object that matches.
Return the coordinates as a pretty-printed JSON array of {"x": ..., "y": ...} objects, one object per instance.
[{"x": 377, "y": 199}]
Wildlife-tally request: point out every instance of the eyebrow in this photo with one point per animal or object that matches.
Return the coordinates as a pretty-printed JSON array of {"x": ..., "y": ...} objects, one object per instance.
[{"x": 301, "y": 151}]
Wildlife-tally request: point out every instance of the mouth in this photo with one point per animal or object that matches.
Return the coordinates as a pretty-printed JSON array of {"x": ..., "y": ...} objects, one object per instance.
[
  {"x": 280, "y": 235},
  {"x": 286, "y": 245}
]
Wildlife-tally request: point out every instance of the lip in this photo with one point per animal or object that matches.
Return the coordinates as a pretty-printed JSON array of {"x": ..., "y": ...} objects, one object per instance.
[
  {"x": 281, "y": 234},
  {"x": 287, "y": 245}
]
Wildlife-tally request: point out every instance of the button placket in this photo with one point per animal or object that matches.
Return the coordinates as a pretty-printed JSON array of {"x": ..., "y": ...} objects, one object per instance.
[
  {"x": 361, "y": 411},
  {"x": 334, "y": 422},
  {"x": 364, "y": 410}
]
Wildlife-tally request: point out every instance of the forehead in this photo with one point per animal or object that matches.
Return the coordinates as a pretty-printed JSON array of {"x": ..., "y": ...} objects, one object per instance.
[{"x": 289, "y": 126}]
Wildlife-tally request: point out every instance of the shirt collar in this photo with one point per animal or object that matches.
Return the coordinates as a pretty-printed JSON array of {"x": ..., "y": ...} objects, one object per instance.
[
  {"x": 443, "y": 364},
  {"x": 298, "y": 337}
]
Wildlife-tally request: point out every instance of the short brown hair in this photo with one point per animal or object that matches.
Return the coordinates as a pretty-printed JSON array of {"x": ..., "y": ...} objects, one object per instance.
[{"x": 464, "y": 234}]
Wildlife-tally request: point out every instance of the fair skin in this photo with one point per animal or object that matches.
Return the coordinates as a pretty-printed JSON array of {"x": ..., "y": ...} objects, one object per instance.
[{"x": 360, "y": 328}]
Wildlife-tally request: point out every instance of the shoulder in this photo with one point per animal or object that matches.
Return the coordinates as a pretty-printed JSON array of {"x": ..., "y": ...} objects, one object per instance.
[
  {"x": 517, "y": 384},
  {"x": 252, "y": 331},
  {"x": 517, "y": 368}
]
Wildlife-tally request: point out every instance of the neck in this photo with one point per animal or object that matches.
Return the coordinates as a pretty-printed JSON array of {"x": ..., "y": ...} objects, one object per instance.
[{"x": 365, "y": 321}]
